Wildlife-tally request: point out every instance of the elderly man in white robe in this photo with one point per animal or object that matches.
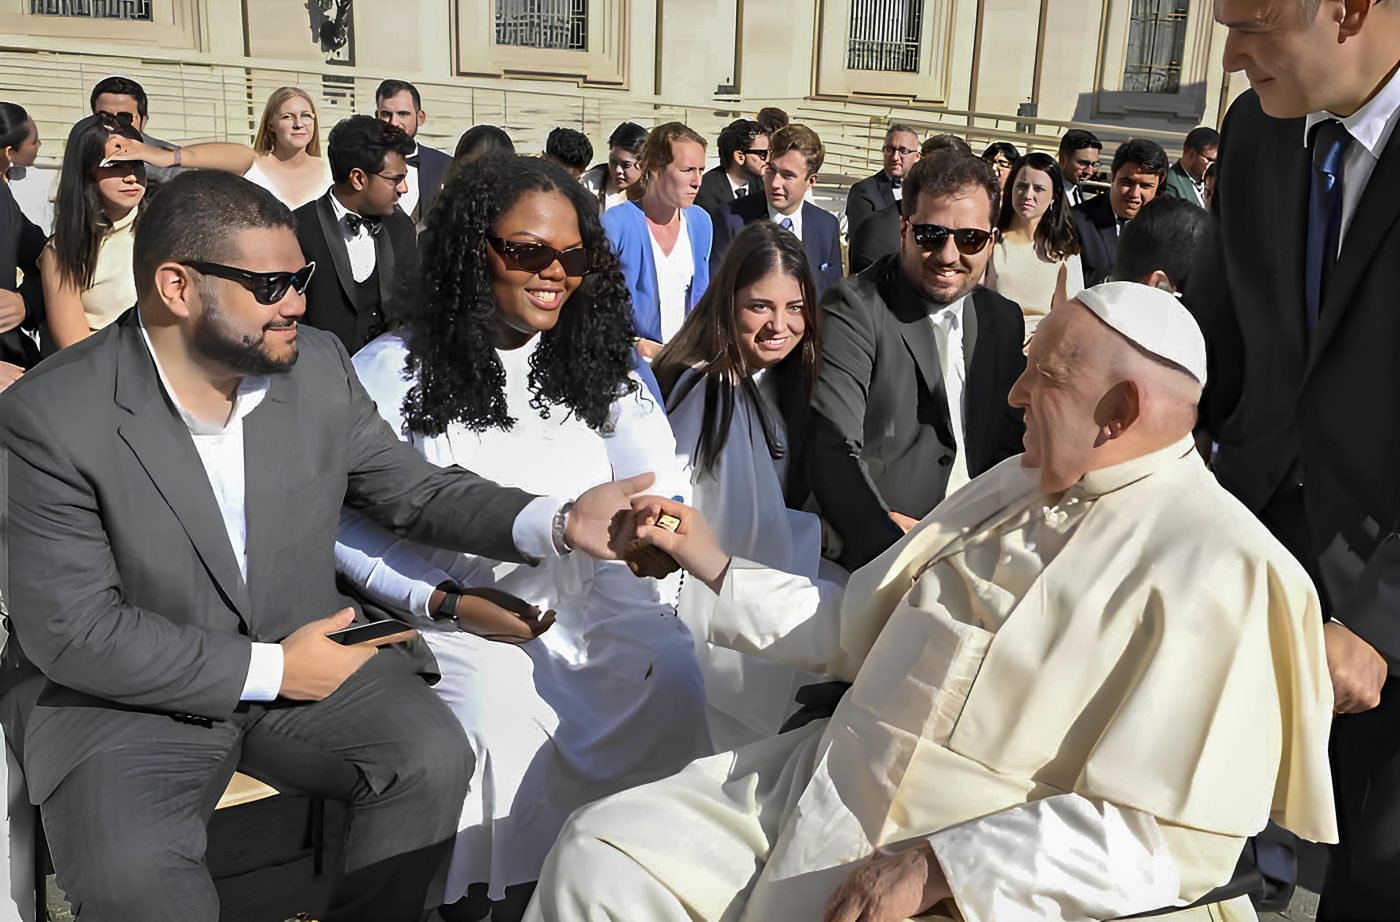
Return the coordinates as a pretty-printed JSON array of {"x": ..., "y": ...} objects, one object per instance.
[{"x": 1079, "y": 685}]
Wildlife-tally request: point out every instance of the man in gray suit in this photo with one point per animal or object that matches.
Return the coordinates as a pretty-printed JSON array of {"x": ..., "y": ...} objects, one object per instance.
[{"x": 174, "y": 485}]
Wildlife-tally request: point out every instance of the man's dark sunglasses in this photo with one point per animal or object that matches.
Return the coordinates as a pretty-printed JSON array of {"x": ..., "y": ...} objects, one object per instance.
[
  {"x": 536, "y": 257},
  {"x": 113, "y": 121},
  {"x": 267, "y": 287},
  {"x": 969, "y": 240},
  {"x": 760, "y": 154}
]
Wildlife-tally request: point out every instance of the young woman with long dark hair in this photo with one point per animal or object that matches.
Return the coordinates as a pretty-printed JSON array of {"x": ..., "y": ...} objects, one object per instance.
[
  {"x": 515, "y": 360},
  {"x": 1035, "y": 261},
  {"x": 610, "y": 181},
  {"x": 86, "y": 268}
]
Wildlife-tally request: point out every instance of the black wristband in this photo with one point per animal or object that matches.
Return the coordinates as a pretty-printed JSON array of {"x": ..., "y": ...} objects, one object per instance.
[{"x": 447, "y": 608}]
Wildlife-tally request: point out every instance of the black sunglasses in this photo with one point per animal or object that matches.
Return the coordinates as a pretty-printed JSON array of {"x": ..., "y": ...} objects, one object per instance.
[
  {"x": 114, "y": 121},
  {"x": 536, "y": 257},
  {"x": 968, "y": 240},
  {"x": 760, "y": 154},
  {"x": 267, "y": 287}
]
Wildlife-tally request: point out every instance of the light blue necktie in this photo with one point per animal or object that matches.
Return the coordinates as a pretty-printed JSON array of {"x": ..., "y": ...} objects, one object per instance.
[
  {"x": 1330, "y": 141},
  {"x": 786, "y": 224}
]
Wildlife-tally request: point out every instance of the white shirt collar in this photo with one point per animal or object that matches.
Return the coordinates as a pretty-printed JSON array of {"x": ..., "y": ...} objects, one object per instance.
[
  {"x": 251, "y": 391},
  {"x": 1371, "y": 125},
  {"x": 950, "y": 314},
  {"x": 795, "y": 217},
  {"x": 337, "y": 208}
]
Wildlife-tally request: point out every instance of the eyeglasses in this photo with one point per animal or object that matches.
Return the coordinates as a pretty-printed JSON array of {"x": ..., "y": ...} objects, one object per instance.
[
  {"x": 136, "y": 168},
  {"x": 267, "y": 287},
  {"x": 969, "y": 240},
  {"x": 536, "y": 257},
  {"x": 760, "y": 154},
  {"x": 902, "y": 151},
  {"x": 393, "y": 179}
]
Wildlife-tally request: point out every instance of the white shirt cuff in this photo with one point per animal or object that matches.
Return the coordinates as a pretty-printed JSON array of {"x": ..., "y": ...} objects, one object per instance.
[
  {"x": 264, "y": 673},
  {"x": 534, "y": 527}
]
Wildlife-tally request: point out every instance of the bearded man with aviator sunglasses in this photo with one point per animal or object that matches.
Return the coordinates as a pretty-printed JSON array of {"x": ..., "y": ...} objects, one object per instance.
[{"x": 917, "y": 363}]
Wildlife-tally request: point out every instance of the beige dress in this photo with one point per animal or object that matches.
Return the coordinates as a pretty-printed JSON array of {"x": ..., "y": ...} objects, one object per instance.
[
  {"x": 1017, "y": 272},
  {"x": 1085, "y": 703},
  {"x": 113, "y": 288}
]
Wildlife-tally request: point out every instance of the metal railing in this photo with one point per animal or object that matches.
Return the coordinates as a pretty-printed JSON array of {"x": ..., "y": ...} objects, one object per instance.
[
  {"x": 93, "y": 9},
  {"x": 884, "y": 35}
]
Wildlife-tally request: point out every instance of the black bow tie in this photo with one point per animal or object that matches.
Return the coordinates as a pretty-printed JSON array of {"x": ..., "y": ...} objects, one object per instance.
[
  {"x": 412, "y": 161},
  {"x": 896, "y": 183},
  {"x": 355, "y": 222}
]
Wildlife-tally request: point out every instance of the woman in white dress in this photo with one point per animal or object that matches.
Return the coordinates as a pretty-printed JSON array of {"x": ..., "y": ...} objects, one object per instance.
[
  {"x": 737, "y": 379},
  {"x": 515, "y": 361},
  {"x": 288, "y": 161},
  {"x": 1036, "y": 258}
]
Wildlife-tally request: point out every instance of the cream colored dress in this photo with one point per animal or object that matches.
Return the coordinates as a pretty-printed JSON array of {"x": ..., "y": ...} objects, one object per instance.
[
  {"x": 1085, "y": 703},
  {"x": 1017, "y": 272},
  {"x": 113, "y": 289}
]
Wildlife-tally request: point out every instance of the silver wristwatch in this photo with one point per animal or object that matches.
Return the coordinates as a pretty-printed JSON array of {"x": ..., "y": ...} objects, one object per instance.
[{"x": 556, "y": 531}]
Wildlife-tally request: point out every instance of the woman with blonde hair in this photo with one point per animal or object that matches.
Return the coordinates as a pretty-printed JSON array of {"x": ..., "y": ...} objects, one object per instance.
[{"x": 288, "y": 161}]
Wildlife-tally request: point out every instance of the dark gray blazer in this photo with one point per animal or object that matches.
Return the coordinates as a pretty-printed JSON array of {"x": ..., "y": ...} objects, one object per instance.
[
  {"x": 123, "y": 587},
  {"x": 879, "y": 437},
  {"x": 866, "y": 197}
]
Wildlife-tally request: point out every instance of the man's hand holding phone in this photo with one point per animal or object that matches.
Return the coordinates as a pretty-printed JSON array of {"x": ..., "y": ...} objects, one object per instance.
[{"x": 314, "y": 665}]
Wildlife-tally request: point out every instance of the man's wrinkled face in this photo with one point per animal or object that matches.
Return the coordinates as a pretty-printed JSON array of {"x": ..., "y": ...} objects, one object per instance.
[{"x": 1294, "y": 63}]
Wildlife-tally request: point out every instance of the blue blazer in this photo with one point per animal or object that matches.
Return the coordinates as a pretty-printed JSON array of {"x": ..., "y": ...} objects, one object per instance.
[
  {"x": 626, "y": 227},
  {"x": 821, "y": 237}
]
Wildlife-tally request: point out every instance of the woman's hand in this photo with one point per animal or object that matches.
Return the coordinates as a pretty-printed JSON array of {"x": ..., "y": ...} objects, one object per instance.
[
  {"x": 124, "y": 149},
  {"x": 500, "y": 616},
  {"x": 648, "y": 348}
]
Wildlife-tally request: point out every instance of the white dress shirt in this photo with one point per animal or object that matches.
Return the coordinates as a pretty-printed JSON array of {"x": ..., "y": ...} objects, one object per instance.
[
  {"x": 674, "y": 273},
  {"x": 358, "y": 243},
  {"x": 948, "y": 330},
  {"x": 795, "y": 218},
  {"x": 409, "y": 200},
  {"x": 1370, "y": 128},
  {"x": 739, "y": 189},
  {"x": 221, "y": 452}
]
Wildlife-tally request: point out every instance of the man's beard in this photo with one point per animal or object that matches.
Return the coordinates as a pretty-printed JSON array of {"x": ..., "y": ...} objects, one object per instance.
[{"x": 217, "y": 340}]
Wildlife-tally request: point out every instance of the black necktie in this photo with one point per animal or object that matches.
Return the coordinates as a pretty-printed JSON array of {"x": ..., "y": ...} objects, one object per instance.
[
  {"x": 896, "y": 183},
  {"x": 355, "y": 222},
  {"x": 1324, "y": 212},
  {"x": 412, "y": 161}
]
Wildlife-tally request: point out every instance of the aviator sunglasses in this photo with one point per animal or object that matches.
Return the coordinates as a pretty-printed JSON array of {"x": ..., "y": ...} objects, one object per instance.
[
  {"x": 536, "y": 257},
  {"x": 969, "y": 240},
  {"x": 267, "y": 287}
]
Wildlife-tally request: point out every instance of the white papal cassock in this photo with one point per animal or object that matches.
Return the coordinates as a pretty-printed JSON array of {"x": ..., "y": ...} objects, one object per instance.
[{"x": 1085, "y": 702}]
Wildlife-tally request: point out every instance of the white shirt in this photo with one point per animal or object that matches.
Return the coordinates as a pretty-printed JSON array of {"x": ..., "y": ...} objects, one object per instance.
[
  {"x": 948, "y": 330},
  {"x": 359, "y": 243},
  {"x": 1370, "y": 128},
  {"x": 674, "y": 272},
  {"x": 739, "y": 189},
  {"x": 221, "y": 452},
  {"x": 409, "y": 200},
  {"x": 795, "y": 218}
]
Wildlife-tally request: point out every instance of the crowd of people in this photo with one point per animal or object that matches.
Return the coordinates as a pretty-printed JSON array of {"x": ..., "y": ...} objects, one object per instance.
[{"x": 998, "y": 549}]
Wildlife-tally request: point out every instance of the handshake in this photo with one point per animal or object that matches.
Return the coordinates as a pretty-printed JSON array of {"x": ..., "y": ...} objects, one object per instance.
[{"x": 661, "y": 535}]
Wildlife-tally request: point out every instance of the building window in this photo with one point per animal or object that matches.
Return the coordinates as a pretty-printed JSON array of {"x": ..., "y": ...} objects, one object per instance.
[
  {"x": 559, "y": 24},
  {"x": 1156, "y": 45},
  {"x": 93, "y": 9},
  {"x": 885, "y": 35}
]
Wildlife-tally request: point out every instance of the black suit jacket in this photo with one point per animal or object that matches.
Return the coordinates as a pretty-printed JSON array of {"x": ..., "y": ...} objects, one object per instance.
[
  {"x": 879, "y": 437},
  {"x": 122, "y": 586},
  {"x": 716, "y": 193},
  {"x": 432, "y": 170},
  {"x": 21, "y": 242},
  {"x": 866, "y": 197},
  {"x": 877, "y": 236},
  {"x": 1097, "y": 227},
  {"x": 821, "y": 237},
  {"x": 333, "y": 301}
]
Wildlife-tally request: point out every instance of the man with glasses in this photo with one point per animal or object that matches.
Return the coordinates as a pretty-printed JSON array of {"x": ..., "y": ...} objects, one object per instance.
[
  {"x": 399, "y": 103},
  {"x": 901, "y": 152},
  {"x": 1079, "y": 162},
  {"x": 356, "y": 233},
  {"x": 917, "y": 363},
  {"x": 173, "y": 489},
  {"x": 743, "y": 152}
]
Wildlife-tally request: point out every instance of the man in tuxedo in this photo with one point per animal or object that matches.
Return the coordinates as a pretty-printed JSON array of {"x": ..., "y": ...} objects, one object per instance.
[
  {"x": 398, "y": 103},
  {"x": 1139, "y": 168},
  {"x": 360, "y": 239},
  {"x": 917, "y": 364},
  {"x": 901, "y": 152},
  {"x": 743, "y": 151},
  {"x": 879, "y": 234},
  {"x": 1296, "y": 293},
  {"x": 1079, "y": 161},
  {"x": 173, "y": 491},
  {"x": 795, "y": 155},
  {"x": 1187, "y": 177}
]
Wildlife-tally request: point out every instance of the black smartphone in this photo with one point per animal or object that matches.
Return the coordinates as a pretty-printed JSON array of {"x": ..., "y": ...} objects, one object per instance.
[{"x": 374, "y": 630}]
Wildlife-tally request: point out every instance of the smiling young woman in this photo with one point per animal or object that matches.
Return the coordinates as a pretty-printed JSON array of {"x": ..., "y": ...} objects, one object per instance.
[{"x": 288, "y": 161}]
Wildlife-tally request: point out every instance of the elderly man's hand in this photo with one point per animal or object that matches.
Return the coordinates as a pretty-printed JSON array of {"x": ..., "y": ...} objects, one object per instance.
[
  {"x": 1357, "y": 670},
  {"x": 690, "y": 543},
  {"x": 890, "y": 888}
]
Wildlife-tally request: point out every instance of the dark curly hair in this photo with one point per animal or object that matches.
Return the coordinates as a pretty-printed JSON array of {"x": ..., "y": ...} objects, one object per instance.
[{"x": 582, "y": 364}]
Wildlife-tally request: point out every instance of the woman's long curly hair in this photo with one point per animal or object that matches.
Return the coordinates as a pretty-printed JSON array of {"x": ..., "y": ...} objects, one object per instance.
[{"x": 582, "y": 364}]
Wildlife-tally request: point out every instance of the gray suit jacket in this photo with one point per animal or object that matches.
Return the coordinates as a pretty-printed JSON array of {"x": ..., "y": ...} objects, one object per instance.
[{"x": 123, "y": 587}]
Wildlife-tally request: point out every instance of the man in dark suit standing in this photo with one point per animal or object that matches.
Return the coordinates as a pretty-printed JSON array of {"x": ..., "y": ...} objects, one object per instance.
[
  {"x": 1296, "y": 293},
  {"x": 398, "y": 103},
  {"x": 743, "y": 151},
  {"x": 1139, "y": 169},
  {"x": 878, "y": 235},
  {"x": 1187, "y": 178},
  {"x": 901, "y": 152},
  {"x": 795, "y": 155},
  {"x": 174, "y": 486},
  {"x": 1078, "y": 157},
  {"x": 917, "y": 364},
  {"x": 356, "y": 234}
]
